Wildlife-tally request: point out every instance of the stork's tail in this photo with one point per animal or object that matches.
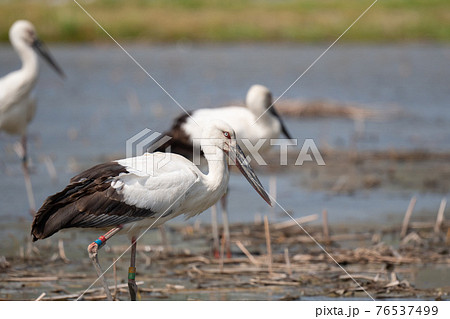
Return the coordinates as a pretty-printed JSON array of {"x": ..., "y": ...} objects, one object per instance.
[{"x": 56, "y": 212}]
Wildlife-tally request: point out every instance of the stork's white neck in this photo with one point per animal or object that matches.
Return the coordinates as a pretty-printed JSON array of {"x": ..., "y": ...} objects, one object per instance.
[
  {"x": 218, "y": 175},
  {"x": 30, "y": 65}
]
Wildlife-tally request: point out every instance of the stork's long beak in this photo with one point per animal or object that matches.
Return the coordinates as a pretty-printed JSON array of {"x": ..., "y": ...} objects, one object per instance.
[
  {"x": 40, "y": 47},
  {"x": 239, "y": 158},
  {"x": 283, "y": 127}
]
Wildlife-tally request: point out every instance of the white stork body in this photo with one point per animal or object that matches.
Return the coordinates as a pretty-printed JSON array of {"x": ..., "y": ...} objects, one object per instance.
[
  {"x": 17, "y": 103},
  {"x": 145, "y": 190},
  {"x": 142, "y": 192}
]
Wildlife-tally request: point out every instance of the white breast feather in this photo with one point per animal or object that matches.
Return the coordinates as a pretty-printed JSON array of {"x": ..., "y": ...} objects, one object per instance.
[{"x": 156, "y": 184}]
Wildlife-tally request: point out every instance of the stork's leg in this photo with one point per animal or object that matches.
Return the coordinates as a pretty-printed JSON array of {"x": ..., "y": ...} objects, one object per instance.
[
  {"x": 26, "y": 175},
  {"x": 132, "y": 287},
  {"x": 93, "y": 252},
  {"x": 226, "y": 225},
  {"x": 93, "y": 249},
  {"x": 215, "y": 231}
]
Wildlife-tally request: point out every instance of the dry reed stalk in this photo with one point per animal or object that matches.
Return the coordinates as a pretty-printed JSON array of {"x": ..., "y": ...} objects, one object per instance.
[
  {"x": 357, "y": 276},
  {"x": 288, "y": 262},
  {"x": 115, "y": 279},
  {"x": 326, "y": 233},
  {"x": 247, "y": 253},
  {"x": 164, "y": 239},
  {"x": 440, "y": 216},
  {"x": 189, "y": 260},
  {"x": 268, "y": 243},
  {"x": 62, "y": 297},
  {"x": 301, "y": 220},
  {"x": 237, "y": 270},
  {"x": 62, "y": 253},
  {"x": 32, "y": 279},
  {"x": 421, "y": 225},
  {"x": 42, "y": 295},
  {"x": 233, "y": 260},
  {"x": 94, "y": 298},
  {"x": 274, "y": 282},
  {"x": 222, "y": 252},
  {"x": 273, "y": 191},
  {"x": 407, "y": 217}
]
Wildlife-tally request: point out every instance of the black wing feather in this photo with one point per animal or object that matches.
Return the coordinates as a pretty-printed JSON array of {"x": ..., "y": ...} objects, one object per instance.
[
  {"x": 180, "y": 142},
  {"x": 88, "y": 201}
]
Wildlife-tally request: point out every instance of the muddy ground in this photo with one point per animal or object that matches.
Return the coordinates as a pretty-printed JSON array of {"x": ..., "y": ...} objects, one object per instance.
[{"x": 377, "y": 262}]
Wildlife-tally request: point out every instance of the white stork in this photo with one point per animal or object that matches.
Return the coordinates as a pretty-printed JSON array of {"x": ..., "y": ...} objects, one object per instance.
[
  {"x": 17, "y": 105},
  {"x": 142, "y": 192},
  {"x": 257, "y": 121}
]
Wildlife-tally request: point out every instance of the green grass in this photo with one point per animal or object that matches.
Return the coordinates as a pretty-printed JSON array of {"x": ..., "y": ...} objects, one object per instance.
[{"x": 232, "y": 20}]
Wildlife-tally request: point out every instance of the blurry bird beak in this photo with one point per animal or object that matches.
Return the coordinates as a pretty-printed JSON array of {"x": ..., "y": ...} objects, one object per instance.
[
  {"x": 40, "y": 47},
  {"x": 239, "y": 158},
  {"x": 283, "y": 127}
]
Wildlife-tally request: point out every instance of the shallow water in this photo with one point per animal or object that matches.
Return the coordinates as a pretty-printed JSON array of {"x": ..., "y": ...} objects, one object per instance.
[{"x": 87, "y": 117}]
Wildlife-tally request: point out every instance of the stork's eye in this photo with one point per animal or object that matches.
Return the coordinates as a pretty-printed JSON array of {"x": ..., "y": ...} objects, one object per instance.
[{"x": 227, "y": 135}]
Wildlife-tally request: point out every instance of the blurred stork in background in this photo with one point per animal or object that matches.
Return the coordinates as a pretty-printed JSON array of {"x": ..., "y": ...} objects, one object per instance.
[{"x": 17, "y": 103}]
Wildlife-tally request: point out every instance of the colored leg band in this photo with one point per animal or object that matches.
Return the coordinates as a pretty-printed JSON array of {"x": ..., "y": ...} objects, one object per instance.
[
  {"x": 98, "y": 242},
  {"x": 132, "y": 273}
]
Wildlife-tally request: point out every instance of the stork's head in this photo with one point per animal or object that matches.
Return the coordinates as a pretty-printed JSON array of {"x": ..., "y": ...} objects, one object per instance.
[
  {"x": 23, "y": 31},
  {"x": 259, "y": 101},
  {"x": 23, "y": 34},
  {"x": 218, "y": 138},
  {"x": 218, "y": 134}
]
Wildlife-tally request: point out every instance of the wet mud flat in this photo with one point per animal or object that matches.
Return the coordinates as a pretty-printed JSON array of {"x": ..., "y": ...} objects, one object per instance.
[
  {"x": 348, "y": 172},
  {"x": 278, "y": 262}
]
